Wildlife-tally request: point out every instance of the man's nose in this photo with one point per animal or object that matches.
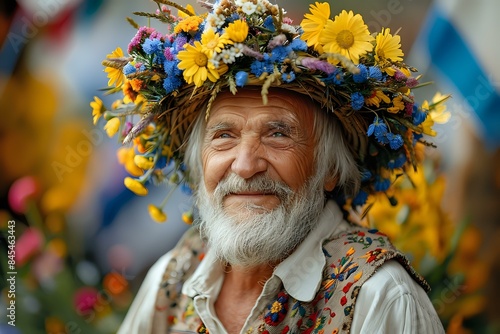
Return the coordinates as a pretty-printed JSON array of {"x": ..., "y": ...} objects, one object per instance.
[{"x": 249, "y": 159}]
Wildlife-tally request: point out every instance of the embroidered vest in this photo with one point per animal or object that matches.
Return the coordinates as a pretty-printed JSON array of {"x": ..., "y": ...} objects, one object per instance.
[{"x": 351, "y": 259}]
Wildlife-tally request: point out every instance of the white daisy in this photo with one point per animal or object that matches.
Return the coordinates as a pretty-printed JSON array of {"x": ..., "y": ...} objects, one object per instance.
[{"x": 249, "y": 8}]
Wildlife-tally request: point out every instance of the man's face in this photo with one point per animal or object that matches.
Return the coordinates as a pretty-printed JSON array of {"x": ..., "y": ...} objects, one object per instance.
[{"x": 249, "y": 139}]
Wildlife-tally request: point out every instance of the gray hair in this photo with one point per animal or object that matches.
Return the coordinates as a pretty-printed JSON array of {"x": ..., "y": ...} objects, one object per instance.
[{"x": 333, "y": 157}]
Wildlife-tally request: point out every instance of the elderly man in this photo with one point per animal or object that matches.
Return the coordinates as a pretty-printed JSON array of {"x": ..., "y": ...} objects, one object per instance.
[
  {"x": 279, "y": 256},
  {"x": 281, "y": 131}
]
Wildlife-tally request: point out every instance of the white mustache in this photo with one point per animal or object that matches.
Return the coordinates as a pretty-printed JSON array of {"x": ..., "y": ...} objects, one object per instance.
[{"x": 261, "y": 183}]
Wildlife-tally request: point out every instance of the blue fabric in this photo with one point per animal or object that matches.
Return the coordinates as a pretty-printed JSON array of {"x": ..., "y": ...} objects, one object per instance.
[{"x": 453, "y": 58}]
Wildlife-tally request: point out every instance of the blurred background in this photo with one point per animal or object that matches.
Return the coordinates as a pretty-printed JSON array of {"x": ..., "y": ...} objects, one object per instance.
[{"x": 84, "y": 242}]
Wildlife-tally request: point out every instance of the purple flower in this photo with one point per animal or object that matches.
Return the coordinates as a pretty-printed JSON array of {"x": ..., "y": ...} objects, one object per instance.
[
  {"x": 399, "y": 76},
  {"x": 357, "y": 100},
  {"x": 316, "y": 64},
  {"x": 241, "y": 78},
  {"x": 411, "y": 82}
]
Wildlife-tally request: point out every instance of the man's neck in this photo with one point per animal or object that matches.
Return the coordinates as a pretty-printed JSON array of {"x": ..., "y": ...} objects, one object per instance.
[{"x": 245, "y": 279}]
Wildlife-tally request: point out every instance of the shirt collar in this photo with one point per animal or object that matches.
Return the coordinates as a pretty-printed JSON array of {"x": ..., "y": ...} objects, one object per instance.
[{"x": 301, "y": 273}]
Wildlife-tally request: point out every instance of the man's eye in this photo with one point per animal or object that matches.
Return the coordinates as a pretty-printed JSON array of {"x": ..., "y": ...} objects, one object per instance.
[
  {"x": 278, "y": 134},
  {"x": 224, "y": 135}
]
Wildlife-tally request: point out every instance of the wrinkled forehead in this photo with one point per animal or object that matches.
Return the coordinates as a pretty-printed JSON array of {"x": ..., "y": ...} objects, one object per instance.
[{"x": 279, "y": 100}]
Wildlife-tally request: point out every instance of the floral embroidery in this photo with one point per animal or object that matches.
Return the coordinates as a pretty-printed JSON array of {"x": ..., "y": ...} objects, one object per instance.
[
  {"x": 374, "y": 255},
  {"x": 202, "y": 329},
  {"x": 361, "y": 237},
  {"x": 277, "y": 310},
  {"x": 340, "y": 273}
]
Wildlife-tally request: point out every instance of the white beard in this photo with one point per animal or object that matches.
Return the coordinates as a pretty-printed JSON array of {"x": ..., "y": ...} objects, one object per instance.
[{"x": 252, "y": 237}]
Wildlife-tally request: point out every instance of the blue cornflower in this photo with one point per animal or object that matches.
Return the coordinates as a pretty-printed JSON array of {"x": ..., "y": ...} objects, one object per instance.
[
  {"x": 381, "y": 184},
  {"x": 357, "y": 100},
  {"x": 365, "y": 175},
  {"x": 279, "y": 54},
  {"x": 152, "y": 46},
  {"x": 395, "y": 141},
  {"x": 362, "y": 76},
  {"x": 259, "y": 67},
  {"x": 288, "y": 77},
  {"x": 179, "y": 42},
  {"x": 418, "y": 115},
  {"x": 186, "y": 189},
  {"x": 171, "y": 83},
  {"x": 336, "y": 77},
  {"x": 379, "y": 129},
  {"x": 269, "y": 24},
  {"x": 241, "y": 78},
  {"x": 170, "y": 67},
  {"x": 298, "y": 45},
  {"x": 375, "y": 73},
  {"x": 129, "y": 69},
  {"x": 397, "y": 163},
  {"x": 360, "y": 198}
]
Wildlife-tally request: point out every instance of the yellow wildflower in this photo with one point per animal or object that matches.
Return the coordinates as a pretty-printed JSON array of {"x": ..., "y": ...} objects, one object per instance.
[
  {"x": 212, "y": 42},
  {"x": 97, "y": 108},
  {"x": 143, "y": 162},
  {"x": 126, "y": 158},
  {"x": 189, "y": 24},
  {"x": 112, "y": 126},
  {"x": 376, "y": 97},
  {"x": 156, "y": 213},
  {"x": 135, "y": 186},
  {"x": 115, "y": 75},
  {"x": 388, "y": 46},
  {"x": 196, "y": 66},
  {"x": 237, "y": 31},
  {"x": 347, "y": 35},
  {"x": 183, "y": 15},
  {"x": 426, "y": 126},
  {"x": 314, "y": 23},
  {"x": 397, "y": 105},
  {"x": 437, "y": 111}
]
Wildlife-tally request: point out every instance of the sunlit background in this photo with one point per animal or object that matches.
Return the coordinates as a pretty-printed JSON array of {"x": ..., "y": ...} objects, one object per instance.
[{"x": 84, "y": 242}]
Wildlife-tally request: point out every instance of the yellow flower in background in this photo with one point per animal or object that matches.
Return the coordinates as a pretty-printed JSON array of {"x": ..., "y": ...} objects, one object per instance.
[
  {"x": 196, "y": 66},
  {"x": 237, "y": 31},
  {"x": 97, "y": 109},
  {"x": 125, "y": 157},
  {"x": 135, "y": 186},
  {"x": 112, "y": 126},
  {"x": 347, "y": 35},
  {"x": 426, "y": 126},
  {"x": 388, "y": 46},
  {"x": 187, "y": 217},
  {"x": 438, "y": 111},
  {"x": 143, "y": 162},
  {"x": 156, "y": 213},
  {"x": 397, "y": 105},
  {"x": 314, "y": 23},
  {"x": 115, "y": 75},
  {"x": 213, "y": 42},
  {"x": 183, "y": 15}
]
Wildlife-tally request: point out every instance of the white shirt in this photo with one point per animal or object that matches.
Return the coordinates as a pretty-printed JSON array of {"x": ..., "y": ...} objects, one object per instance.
[{"x": 389, "y": 302}]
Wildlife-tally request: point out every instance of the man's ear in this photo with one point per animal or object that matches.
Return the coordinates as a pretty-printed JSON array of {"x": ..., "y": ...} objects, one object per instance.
[{"x": 330, "y": 183}]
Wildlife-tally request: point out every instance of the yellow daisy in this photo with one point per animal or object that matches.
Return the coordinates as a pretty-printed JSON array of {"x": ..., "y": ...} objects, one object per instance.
[
  {"x": 212, "y": 42},
  {"x": 347, "y": 35},
  {"x": 183, "y": 15},
  {"x": 313, "y": 24},
  {"x": 388, "y": 46},
  {"x": 237, "y": 31},
  {"x": 196, "y": 65},
  {"x": 115, "y": 75},
  {"x": 143, "y": 162},
  {"x": 426, "y": 126},
  {"x": 97, "y": 108}
]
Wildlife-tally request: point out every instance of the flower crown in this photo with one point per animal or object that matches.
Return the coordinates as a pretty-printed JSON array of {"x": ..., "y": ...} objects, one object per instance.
[{"x": 169, "y": 76}]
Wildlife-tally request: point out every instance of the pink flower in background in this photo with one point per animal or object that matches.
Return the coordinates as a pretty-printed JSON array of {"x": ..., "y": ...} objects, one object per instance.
[
  {"x": 27, "y": 245},
  {"x": 21, "y": 191},
  {"x": 85, "y": 299}
]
